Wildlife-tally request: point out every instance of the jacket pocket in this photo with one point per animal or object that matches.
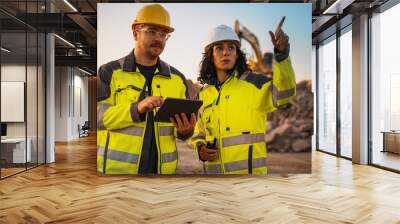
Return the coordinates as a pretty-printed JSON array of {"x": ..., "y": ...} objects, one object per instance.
[{"x": 127, "y": 94}]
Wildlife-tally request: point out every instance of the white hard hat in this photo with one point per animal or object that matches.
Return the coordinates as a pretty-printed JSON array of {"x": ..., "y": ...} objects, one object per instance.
[{"x": 220, "y": 33}]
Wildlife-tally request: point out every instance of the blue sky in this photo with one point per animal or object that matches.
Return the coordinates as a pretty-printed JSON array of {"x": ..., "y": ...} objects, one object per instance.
[{"x": 193, "y": 22}]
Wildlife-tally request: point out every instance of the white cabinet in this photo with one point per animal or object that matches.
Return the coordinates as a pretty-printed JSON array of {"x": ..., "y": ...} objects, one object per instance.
[{"x": 17, "y": 147}]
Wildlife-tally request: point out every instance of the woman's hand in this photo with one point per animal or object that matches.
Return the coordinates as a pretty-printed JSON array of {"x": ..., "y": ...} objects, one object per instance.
[
  {"x": 207, "y": 154},
  {"x": 279, "y": 39}
]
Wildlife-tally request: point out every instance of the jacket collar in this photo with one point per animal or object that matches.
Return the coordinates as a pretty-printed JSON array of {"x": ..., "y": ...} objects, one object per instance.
[{"x": 129, "y": 65}]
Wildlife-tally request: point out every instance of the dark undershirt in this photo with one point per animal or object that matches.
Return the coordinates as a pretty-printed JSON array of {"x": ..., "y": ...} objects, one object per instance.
[{"x": 149, "y": 158}]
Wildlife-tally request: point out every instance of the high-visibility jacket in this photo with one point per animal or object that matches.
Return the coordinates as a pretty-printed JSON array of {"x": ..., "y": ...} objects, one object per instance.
[
  {"x": 236, "y": 117},
  {"x": 120, "y": 130}
]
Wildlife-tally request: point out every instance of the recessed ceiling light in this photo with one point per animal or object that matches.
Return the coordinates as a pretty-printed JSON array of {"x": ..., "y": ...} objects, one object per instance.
[
  {"x": 64, "y": 40},
  {"x": 5, "y": 50},
  {"x": 84, "y": 71},
  {"x": 337, "y": 7},
  {"x": 70, "y": 5}
]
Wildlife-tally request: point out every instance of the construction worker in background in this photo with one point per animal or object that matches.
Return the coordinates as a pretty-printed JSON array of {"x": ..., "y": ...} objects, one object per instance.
[
  {"x": 129, "y": 90},
  {"x": 230, "y": 130}
]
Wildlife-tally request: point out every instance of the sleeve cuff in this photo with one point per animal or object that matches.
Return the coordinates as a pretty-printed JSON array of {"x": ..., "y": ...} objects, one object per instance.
[
  {"x": 280, "y": 56},
  {"x": 136, "y": 117},
  {"x": 184, "y": 137}
]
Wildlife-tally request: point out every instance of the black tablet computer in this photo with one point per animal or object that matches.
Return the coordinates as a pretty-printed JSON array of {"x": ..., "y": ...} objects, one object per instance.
[{"x": 172, "y": 106}]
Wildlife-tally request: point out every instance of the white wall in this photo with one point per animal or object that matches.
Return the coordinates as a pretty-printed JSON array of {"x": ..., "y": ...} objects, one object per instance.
[
  {"x": 71, "y": 94},
  {"x": 34, "y": 124},
  {"x": 61, "y": 103},
  {"x": 11, "y": 73},
  {"x": 80, "y": 110}
]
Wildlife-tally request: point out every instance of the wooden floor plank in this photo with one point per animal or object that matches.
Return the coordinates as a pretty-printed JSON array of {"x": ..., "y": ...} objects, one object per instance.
[{"x": 70, "y": 191}]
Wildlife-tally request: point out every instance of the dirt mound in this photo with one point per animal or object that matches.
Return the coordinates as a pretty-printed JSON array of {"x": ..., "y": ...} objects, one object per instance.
[{"x": 290, "y": 127}]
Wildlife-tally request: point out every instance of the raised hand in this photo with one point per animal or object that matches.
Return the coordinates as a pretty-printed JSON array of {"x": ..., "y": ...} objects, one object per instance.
[{"x": 279, "y": 39}]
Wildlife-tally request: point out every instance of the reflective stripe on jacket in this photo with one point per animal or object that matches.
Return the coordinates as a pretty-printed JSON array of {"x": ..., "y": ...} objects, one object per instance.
[
  {"x": 236, "y": 116},
  {"x": 120, "y": 130}
]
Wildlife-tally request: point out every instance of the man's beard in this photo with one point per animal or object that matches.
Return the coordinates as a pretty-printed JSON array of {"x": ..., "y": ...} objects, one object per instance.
[{"x": 150, "y": 51}]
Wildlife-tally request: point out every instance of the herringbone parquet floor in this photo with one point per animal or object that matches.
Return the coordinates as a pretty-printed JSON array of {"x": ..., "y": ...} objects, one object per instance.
[{"x": 70, "y": 191}]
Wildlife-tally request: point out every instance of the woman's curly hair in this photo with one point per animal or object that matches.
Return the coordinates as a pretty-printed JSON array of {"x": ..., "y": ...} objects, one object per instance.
[{"x": 208, "y": 73}]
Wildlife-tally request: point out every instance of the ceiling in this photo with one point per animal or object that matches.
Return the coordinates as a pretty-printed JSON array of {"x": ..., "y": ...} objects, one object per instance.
[{"x": 76, "y": 22}]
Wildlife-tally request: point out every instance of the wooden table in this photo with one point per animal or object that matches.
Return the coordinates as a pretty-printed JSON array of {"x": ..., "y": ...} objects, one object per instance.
[{"x": 391, "y": 141}]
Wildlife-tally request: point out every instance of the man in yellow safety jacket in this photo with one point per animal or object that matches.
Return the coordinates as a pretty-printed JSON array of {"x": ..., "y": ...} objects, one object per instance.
[
  {"x": 129, "y": 90},
  {"x": 229, "y": 133}
]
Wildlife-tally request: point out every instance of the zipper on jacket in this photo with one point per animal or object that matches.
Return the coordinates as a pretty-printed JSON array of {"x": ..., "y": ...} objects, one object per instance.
[
  {"x": 157, "y": 131},
  {"x": 156, "y": 127},
  {"x": 219, "y": 94},
  {"x": 219, "y": 88},
  {"x": 219, "y": 123},
  {"x": 250, "y": 165},
  {"x": 105, "y": 153},
  {"x": 219, "y": 147}
]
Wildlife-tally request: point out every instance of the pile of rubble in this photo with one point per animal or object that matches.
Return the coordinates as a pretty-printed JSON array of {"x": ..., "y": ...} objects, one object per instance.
[{"x": 290, "y": 127}]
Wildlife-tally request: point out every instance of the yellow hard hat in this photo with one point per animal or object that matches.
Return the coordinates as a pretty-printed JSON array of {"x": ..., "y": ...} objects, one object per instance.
[{"x": 153, "y": 14}]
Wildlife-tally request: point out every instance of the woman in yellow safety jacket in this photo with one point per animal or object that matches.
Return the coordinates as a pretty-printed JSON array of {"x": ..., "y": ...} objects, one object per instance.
[{"x": 229, "y": 134}]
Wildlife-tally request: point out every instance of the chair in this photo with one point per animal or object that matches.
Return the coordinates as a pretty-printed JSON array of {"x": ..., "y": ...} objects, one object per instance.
[{"x": 84, "y": 130}]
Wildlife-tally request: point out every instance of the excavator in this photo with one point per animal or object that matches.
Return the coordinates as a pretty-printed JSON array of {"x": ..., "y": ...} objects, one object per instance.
[{"x": 262, "y": 63}]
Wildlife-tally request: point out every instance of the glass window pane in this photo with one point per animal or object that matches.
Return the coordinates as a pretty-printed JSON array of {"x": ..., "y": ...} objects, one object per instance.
[
  {"x": 385, "y": 89},
  {"x": 13, "y": 85},
  {"x": 314, "y": 78},
  {"x": 23, "y": 84},
  {"x": 346, "y": 94},
  {"x": 31, "y": 97},
  {"x": 41, "y": 98},
  {"x": 327, "y": 96}
]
